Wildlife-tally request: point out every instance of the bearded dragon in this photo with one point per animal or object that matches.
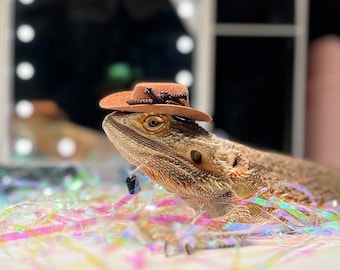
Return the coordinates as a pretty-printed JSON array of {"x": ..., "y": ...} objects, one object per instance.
[{"x": 215, "y": 174}]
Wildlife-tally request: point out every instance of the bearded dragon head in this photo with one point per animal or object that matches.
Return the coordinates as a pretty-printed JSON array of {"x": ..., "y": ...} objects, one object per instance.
[{"x": 174, "y": 152}]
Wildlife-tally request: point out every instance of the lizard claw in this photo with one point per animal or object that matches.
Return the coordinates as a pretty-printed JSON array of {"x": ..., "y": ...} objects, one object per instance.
[
  {"x": 188, "y": 249},
  {"x": 171, "y": 249}
]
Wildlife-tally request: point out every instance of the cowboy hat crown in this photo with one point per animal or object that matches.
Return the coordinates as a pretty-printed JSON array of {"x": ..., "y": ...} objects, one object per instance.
[{"x": 164, "y": 98}]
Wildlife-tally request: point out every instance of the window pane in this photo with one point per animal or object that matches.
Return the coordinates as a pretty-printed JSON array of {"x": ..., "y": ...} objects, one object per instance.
[
  {"x": 259, "y": 11},
  {"x": 254, "y": 90}
]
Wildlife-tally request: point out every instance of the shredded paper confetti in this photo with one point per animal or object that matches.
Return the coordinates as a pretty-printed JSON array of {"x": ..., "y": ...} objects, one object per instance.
[{"x": 73, "y": 205}]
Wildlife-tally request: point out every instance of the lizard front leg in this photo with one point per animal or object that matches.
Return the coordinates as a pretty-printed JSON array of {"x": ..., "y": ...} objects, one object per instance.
[
  {"x": 213, "y": 235},
  {"x": 216, "y": 234},
  {"x": 222, "y": 209}
]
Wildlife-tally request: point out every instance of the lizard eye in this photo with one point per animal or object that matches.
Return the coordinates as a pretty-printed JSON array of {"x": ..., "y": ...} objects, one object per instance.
[{"x": 153, "y": 123}]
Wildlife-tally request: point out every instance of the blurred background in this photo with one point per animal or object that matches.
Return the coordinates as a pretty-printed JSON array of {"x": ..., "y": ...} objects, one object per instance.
[{"x": 248, "y": 63}]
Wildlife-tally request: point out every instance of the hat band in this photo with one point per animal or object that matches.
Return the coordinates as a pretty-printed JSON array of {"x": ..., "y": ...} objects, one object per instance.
[{"x": 161, "y": 98}]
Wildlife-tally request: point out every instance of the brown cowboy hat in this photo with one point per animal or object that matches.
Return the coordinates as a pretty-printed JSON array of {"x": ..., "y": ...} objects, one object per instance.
[{"x": 164, "y": 98}]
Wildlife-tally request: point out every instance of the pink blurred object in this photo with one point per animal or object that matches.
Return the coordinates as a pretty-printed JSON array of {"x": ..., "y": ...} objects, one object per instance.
[{"x": 323, "y": 102}]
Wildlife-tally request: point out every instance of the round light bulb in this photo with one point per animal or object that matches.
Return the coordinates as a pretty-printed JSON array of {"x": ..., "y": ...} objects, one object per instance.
[
  {"x": 23, "y": 146},
  {"x": 24, "y": 109},
  {"x": 25, "y": 33},
  {"x": 66, "y": 147},
  {"x": 185, "y": 44},
  {"x": 184, "y": 77},
  {"x": 185, "y": 9},
  {"x": 26, "y": 2},
  {"x": 25, "y": 70}
]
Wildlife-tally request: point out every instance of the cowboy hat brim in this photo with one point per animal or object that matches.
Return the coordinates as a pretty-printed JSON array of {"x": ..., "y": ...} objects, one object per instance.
[{"x": 117, "y": 102}]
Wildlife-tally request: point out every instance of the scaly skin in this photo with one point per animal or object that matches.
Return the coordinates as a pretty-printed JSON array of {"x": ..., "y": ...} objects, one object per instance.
[{"x": 214, "y": 174}]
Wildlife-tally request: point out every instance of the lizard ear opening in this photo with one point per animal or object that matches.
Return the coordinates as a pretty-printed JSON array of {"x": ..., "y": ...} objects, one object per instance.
[
  {"x": 196, "y": 156},
  {"x": 234, "y": 160}
]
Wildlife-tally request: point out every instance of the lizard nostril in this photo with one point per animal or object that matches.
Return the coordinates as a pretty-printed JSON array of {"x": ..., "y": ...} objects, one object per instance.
[
  {"x": 235, "y": 163},
  {"x": 196, "y": 156}
]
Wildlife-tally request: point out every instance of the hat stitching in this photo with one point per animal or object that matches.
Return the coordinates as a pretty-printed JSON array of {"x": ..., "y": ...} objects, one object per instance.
[{"x": 163, "y": 97}]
